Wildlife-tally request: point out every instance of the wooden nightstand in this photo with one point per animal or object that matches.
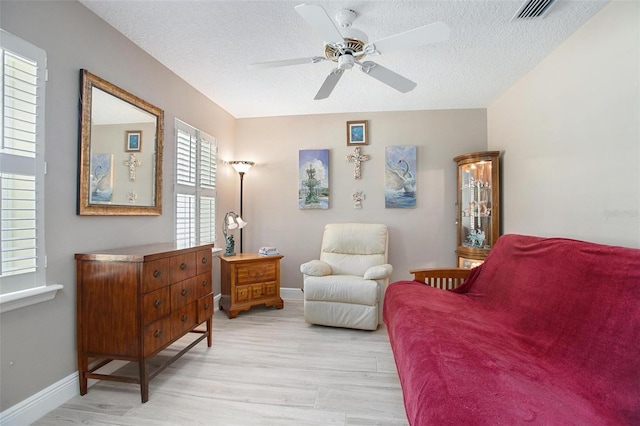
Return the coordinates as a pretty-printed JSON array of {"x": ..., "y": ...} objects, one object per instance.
[{"x": 247, "y": 280}]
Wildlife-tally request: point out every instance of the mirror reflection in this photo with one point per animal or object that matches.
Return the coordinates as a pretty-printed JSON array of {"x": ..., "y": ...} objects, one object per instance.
[{"x": 121, "y": 151}]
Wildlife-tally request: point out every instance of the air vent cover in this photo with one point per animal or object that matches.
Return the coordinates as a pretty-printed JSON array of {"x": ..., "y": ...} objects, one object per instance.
[{"x": 533, "y": 9}]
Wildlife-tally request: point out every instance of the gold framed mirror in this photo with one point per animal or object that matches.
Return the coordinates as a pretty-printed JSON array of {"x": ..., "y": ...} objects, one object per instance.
[{"x": 120, "y": 170}]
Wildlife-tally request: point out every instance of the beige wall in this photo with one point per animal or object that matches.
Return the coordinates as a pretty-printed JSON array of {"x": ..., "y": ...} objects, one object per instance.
[
  {"x": 570, "y": 131},
  {"x": 37, "y": 343},
  {"x": 424, "y": 236}
]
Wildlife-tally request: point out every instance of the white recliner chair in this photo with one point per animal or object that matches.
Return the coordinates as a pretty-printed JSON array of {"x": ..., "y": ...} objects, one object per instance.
[{"x": 346, "y": 286}]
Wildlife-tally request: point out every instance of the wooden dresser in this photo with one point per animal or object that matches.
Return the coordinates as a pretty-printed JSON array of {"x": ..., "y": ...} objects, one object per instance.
[
  {"x": 247, "y": 280},
  {"x": 133, "y": 302}
]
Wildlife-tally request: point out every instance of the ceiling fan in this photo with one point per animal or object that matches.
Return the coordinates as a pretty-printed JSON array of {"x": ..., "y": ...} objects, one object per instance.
[{"x": 350, "y": 49}]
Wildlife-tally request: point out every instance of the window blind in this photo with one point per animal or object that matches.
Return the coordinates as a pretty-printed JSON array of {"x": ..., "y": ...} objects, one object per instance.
[
  {"x": 22, "y": 167},
  {"x": 196, "y": 157}
]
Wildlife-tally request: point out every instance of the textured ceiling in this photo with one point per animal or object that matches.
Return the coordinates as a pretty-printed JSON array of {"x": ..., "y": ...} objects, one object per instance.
[{"x": 211, "y": 44}]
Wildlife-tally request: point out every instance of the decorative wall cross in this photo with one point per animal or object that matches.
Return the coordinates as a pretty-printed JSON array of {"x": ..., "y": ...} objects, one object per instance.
[
  {"x": 132, "y": 163},
  {"x": 357, "y": 158}
]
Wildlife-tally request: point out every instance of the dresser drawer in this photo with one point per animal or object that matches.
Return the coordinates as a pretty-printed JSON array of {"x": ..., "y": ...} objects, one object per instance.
[
  {"x": 155, "y": 274},
  {"x": 203, "y": 261},
  {"x": 183, "y": 320},
  {"x": 184, "y": 292},
  {"x": 257, "y": 272},
  {"x": 155, "y": 305},
  {"x": 182, "y": 267},
  {"x": 156, "y": 335},
  {"x": 204, "y": 284},
  {"x": 205, "y": 308}
]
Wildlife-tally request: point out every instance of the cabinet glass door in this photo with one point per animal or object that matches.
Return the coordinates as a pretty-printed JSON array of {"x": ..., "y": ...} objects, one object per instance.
[{"x": 475, "y": 205}]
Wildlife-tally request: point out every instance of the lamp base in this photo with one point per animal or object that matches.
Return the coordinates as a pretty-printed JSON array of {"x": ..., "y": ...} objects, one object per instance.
[{"x": 230, "y": 246}]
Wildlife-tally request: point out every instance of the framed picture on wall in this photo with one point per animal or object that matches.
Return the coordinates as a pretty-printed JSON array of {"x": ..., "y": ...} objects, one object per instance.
[
  {"x": 357, "y": 133},
  {"x": 313, "y": 179},
  {"x": 400, "y": 174},
  {"x": 133, "y": 142}
]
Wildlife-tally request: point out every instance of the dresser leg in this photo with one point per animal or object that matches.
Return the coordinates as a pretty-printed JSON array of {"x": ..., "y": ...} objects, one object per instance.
[
  {"x": 83, "y": 367},
  {"x": 144, "y": 380},
  {"x": 209, "y": 332}
]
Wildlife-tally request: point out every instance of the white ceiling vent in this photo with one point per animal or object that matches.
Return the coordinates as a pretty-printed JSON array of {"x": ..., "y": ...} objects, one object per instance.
[{"x": 533, "y": 9}]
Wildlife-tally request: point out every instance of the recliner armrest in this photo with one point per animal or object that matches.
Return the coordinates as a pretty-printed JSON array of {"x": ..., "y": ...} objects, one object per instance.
[
  {"x": 378, "y": 272},
  {"x": 316, "y": 268}
]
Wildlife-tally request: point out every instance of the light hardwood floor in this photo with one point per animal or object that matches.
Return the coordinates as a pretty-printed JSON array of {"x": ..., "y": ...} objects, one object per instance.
[{"x": 266, "y": 367}]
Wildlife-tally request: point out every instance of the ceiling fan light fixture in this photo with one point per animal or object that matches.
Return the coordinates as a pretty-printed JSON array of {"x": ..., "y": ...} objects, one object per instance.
[{"x": 345, "y": 62}]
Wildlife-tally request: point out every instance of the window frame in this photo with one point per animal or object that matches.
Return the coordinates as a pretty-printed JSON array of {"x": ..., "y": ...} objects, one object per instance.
[
  {"x": 31, "y": 287},
  {"x": 195, "y": 186}
]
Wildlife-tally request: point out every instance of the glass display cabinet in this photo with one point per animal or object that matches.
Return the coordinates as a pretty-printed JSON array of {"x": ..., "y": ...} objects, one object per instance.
[{"x": 478, "y": 206}]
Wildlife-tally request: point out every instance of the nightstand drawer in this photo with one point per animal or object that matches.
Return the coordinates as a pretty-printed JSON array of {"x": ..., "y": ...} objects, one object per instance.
[
  {"x": 243, "y": 293},
  {"x": 256, "y": 272},
  {"x": 257, "y": 291},
  {"x": 271, "y": 289}
]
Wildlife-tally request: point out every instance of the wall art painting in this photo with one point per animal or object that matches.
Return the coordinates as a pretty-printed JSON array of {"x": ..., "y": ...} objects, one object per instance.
[
  {"x": 101, "y": 178},
  {"x": 357, "y": 133},
  {"x": 313, "y": 176},
  {"x": 400, "y": 177}
]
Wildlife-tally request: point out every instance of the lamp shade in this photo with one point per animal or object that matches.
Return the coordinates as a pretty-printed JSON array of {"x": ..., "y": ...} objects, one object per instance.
[
  {"x": 241, "y": 223},
  {"x": 231, "y": 223},
  {"x": 242, "y": 166}
]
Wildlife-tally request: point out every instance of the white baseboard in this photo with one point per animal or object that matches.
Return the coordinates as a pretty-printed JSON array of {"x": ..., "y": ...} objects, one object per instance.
[
  {"x": 291, "y": 293},
  {"x": 31, "y": 409},
  {"x": 50, "y": 398}
]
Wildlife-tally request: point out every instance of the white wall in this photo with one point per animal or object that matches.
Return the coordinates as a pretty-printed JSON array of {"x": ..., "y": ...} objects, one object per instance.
[
  {"x": 570, "y": 132},
  {"x": 420, "y": 237}
]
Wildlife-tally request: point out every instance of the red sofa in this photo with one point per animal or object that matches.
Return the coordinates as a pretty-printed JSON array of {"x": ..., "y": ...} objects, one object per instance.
[{"x": 546, "y": 331}]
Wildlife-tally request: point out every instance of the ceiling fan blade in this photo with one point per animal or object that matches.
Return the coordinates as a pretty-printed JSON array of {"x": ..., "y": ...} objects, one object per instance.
[
  {"x": 329, "y": 83},
  {"x": 388, "y": 77},
  {"x": 287, "y": 62},
  {"x": 432, "y": 33},
  {"x": 321, "y": 22}
]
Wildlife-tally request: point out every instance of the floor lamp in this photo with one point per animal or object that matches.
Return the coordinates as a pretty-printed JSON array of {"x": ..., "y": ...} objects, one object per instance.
[{"x": 241, "y": 167}]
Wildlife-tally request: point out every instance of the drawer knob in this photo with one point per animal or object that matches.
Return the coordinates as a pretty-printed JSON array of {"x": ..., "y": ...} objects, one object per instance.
[
  {"x": 206, "y": 306},
  {"x": 183, "y": 292},
  {"x": 157, "y": 273},
  {"x": 184, "y": 318},
  {"x": 205, "y": 283},
  {"x": 157, "y": 303},
  {"x": 183, "y": 266},
  {"x": 158, "y": 333},
  {"x": 205, "y": 260}
]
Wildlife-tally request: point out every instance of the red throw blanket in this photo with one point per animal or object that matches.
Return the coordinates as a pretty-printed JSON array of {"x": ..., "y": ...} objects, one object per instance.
[{"x": 545, "y": 331}]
